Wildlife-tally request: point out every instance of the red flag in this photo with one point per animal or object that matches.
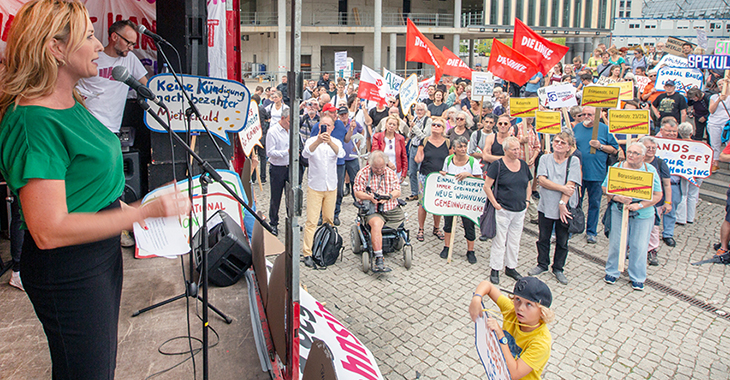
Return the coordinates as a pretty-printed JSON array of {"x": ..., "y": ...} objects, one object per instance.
[
  {"x": 509, "y": 64},
  {"x": 455, "y": 66},
  {"x": 540, "y": 50},
  {"x": 421, "y": 49},
  {"x": 371, "y": 86}
]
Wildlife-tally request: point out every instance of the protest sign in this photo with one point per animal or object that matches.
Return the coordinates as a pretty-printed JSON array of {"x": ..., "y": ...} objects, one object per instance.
[
  {"x": 701, "y": 38},
  {"x": 722, "y": 47},
  {"x": 712, "y": 62},
  {"x": 605, "y": 81},
  {"x": 626, "y": 90},
  {"x": 251, "y": 135},
  {"x": 489, "y": 351},
  {"x": 600, "y": 96},
  {"x": 444, "y": 195},
  {"x": 674, "y": 46},
  {"x": 423, "y": 87},
  {"x": 523, "y": 107},
  {"x": 641, "y": 82},
  {"x": 223, "y": 104},
  {"x": 672, "y": 61},
  {"x": 688, "y": 159},
  {"x": 218, "y": 199},
  {"x": 684, "y": 79},
  {"x": 408, "y": 93},
  {"x": 631, "y": 183},
  {"x": 340, "y": 60},
  {"x": 547, "y": 122},
  {"x": 392, "y": 82},
  {"x": 557, "y": 96},
  {"x": 482, "y": 84},
  {"x": 629, "y": 122}
]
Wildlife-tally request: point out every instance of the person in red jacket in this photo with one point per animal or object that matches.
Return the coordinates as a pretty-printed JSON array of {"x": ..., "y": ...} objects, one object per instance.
[{"x": 393, "y": 145}]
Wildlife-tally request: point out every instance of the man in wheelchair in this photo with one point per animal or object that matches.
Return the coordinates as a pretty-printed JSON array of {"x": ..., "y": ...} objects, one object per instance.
[{"x": 377, "y": 188}]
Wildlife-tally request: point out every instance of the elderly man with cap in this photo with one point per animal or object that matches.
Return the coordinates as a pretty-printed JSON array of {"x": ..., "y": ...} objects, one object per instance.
[
  {"x": 339, "y": 132},
  {"x": 670, "y": 103}
]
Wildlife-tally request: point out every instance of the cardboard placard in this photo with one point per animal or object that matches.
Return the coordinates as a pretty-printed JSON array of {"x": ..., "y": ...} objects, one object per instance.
[
  {"x": 631, "y": 183},
  {"x": 444, "y": 195},
  {"x": 641, "y": 82},
  {"x": 627, "y": 90},
  {"x": 482, "y": 83},
  {"x": 408, "y": 93},
  {"x": 674, "y": 46},
  {"x": 629, "y": 122},
  {"x": 548, "y": 122},
  {"x": 490, "y": 351},
  {"x": 523, "y": 107},
  {"x": 600, "y": 96},
  {"x": 688, "y": 159},
  {"x": 557, "y": 96},
  {"x": 251, "y": 135},
  {"x": 684, "y": 79}
]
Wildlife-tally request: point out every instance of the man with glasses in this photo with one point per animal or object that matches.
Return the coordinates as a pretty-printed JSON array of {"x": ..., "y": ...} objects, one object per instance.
[
  {"x": 105, "y": 97},
  {"x": 594, "y": 165}
]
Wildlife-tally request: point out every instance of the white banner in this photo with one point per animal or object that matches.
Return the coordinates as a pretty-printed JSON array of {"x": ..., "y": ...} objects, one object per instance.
[
  {"x": 557, "y": 96},
  {"x": 423, "y": 87},
  {"x": 251, "y": 135},
  {"x": 223, "y": 104},
  {"x": 408, "y": 93},
  {"x": 688, "y": 159},
  {"x": 482, "y": 83},
  {"x": 490, "y": 352},
  {"x": 392, "y": 82},
  {"x": 684, "y": 79},
  {"x": 444, "y": 195},
  {"x": 217, "y": 57}
]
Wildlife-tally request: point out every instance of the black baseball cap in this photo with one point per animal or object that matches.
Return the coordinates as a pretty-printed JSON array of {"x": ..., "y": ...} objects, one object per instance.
[
  {"x": 342, "y": 110},
  {"x": 532, "y": 289},
  {"x": 669, "y": 83}
]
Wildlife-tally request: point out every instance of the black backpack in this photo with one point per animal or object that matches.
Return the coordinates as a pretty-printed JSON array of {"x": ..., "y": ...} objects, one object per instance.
[{"x": 327, "y": 246}]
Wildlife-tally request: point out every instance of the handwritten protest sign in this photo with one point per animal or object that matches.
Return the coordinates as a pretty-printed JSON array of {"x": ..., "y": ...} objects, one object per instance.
[
  {"x": 722, "y": 47},
  {"x": 630, "y": 122},
  {"x": 641, "y": 82},
  {"x": 631, "y": 183},
  {"x": 672, "y": 61},
  {"x": 340, "y": 60},
  {"x": 408, "y": 93},
  {"x": 523, "y": 107},
  {"x": 547, "y": 122},
  {"x": 712, "y": 62},
  {"x": 627, "y": 90},
  {"x": 223, "y": 104},
  {"x": 392, "y": 82},
  {"x": 218, "y": 199},
  {"x": 604, "y": 81},
  {"x": 674, "y": 46},
  {"x": 688, "y": 159},
  {"x": 600, "y": 96},
  {"x": 423, "y": 87},
  {"x": 557, "y": 96},
  {"x": 251, "y": 135},
  {"x": 490, "y": 352},
  {"x": 444, "y": 195},
  {"x": 684, "y": 79},
  {"x": 482, "y": 83}
]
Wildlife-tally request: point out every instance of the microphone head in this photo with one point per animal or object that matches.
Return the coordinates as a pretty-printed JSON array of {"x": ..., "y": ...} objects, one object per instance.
[
  {"x": 120, "y": 73},
  {"x": 141, "y": 29}
]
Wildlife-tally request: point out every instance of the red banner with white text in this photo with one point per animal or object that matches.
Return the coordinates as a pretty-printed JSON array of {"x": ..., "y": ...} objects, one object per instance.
[
  {"x": 421, "y": 49},
  {"x": 542, "y": 51},
  {"x": 455, "y": 66},
  {"x": 509, "y": 64}
]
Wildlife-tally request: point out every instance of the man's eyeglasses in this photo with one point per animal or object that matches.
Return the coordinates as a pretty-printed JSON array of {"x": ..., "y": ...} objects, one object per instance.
[
  {"x": 129, "y": 43},
  {"x": 502, "y": 123},
  {"x": 437, "y": 125},
  {"x": 559, "y": 142},
  {"x": 580, "y": 115}
]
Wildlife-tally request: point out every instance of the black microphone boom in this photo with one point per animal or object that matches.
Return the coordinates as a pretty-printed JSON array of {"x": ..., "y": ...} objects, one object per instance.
[
  {"x": 143, "y": 30},
  {"x": 121, "y": 74}
]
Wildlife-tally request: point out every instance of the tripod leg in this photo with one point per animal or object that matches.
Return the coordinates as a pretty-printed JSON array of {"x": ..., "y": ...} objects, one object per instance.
[
  {"x": 165, "y": 302},
  {"x": 220, "y": 313}
]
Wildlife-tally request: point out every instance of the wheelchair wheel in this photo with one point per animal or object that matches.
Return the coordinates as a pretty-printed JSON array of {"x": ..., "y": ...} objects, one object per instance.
[
  {"x": 407, "y": 256},
  {"x": 355, "y": 241},
  {"x": 365, "y": 261}
]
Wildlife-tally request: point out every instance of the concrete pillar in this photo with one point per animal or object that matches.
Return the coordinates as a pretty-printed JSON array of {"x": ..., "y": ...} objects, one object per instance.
[
  {"x": 281, "y": 39},
  {"x": 471, "y": 53},
  {"x": 392, "y": 62},
  {"x": 487, "y": 13},
  {"x": 378, "y": 37},
  {"x": 457, "y": 26}
]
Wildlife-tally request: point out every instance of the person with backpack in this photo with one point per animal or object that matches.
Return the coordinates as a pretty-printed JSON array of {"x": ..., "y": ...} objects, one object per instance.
[
  {"x": 461, "y": 166},
  {"x": 376, "y": 178}
]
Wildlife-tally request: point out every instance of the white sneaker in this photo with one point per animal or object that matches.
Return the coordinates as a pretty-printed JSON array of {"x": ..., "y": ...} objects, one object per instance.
[
  {"x": 15, "y": 281},
  {"x": 127, "y": 240}
]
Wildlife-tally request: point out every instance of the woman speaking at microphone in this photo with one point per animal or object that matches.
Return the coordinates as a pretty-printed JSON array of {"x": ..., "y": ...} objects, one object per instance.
[{"x": 66, "y": 169}]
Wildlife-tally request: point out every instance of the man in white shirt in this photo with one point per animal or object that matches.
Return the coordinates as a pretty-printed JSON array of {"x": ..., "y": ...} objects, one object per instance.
[
  {"x": 322, "y": 151},
  {"x": 277, "y": 150},
  {"x": 105, "y": 97}
]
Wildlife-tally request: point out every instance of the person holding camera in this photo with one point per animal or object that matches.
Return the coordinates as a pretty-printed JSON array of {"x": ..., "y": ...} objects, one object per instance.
[{"x": 378, "y": 184}]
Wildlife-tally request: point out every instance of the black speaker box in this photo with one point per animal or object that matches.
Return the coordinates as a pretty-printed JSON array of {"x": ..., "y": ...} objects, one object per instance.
[
  {"x": 132, "y": 181},
  {"x": 184, "y": 24},
  {"x": 229, "y": 254}
]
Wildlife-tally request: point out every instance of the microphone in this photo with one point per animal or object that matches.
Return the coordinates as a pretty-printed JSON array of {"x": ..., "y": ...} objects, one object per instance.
[
  {"x": 143, "y": 30},
  {"x": 120, "y": 74}
]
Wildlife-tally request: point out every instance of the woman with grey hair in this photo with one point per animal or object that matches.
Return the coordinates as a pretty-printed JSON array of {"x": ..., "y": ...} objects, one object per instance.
[
  {"x": 687, "y": 207},
  {"x": 461, "y": 129},
  {"x": 664, "y": 205},
  {"x": 420, "y": 129},
  {"x": 510, "y": 198}
]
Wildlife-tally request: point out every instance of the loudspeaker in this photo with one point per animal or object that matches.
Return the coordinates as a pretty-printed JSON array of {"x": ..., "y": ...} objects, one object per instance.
[
  {"x": 132, "y": 181},
  {"x": 229, "y": 254},
  {"x": 184, "y": 24}
]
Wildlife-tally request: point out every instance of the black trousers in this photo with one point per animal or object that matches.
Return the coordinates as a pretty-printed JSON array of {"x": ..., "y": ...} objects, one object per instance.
[
  {"x": 469, "y": 233},
  {"x": 76, "y": 291},
  {"x": 543, "y": 243},
  {"x": 16, "y": 234},
  {"x": 700, "y": 130},
  {"x": 278, "y": 177}
]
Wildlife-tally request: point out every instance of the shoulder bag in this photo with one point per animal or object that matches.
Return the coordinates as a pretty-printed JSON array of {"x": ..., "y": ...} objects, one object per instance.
[
  {"x": 577, "y": 223},
  {"x": 488, "y": 219}
]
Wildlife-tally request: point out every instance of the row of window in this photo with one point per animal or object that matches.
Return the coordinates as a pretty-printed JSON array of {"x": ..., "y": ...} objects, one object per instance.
[{"x": 713, "y": 26}]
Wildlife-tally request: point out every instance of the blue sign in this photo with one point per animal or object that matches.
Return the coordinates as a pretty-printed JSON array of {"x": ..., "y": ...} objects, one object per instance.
[{"x": 712, "y": 62}]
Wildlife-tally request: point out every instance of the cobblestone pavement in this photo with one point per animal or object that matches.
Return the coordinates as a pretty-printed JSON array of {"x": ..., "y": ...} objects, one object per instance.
[{"x": 416, "y": 321}]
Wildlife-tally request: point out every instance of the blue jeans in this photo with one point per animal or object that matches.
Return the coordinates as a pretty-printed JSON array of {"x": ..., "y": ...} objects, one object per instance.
[
  {"x": 670, "y": 218},
  {"x": 413, "y": 169},
  {"x": 594, "y": 204},
  {"x": 638, "y": 242},
  {"x": 351, "y": 167}
]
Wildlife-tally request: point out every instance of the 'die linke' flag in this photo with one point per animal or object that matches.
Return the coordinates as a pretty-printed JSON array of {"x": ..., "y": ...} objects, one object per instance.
[
  {"x": 540, "y": 50},
  {"x": 371, "y": 86},
  {"x": 455, "y": 66},
  {"x": 421, "y": 49},
  {"x": 509, "y": 64}
]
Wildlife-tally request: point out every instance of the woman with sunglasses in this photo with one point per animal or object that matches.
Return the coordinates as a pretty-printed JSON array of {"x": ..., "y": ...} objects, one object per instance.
[
  {"x": 431, "y": 155},
  {"x": 493, "y": 150},
  {"x": 462, "y": 128}
]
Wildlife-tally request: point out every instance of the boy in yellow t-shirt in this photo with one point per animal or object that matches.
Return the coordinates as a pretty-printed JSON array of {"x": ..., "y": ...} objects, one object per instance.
[{"x": 524, "y": 338}]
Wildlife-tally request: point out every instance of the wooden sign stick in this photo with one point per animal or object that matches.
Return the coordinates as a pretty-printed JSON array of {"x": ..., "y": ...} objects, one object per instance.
[
  {"x": 596, "y": 122},
  {"x": 451, "y": 238},
  {"x": 624, "y": 228}
]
